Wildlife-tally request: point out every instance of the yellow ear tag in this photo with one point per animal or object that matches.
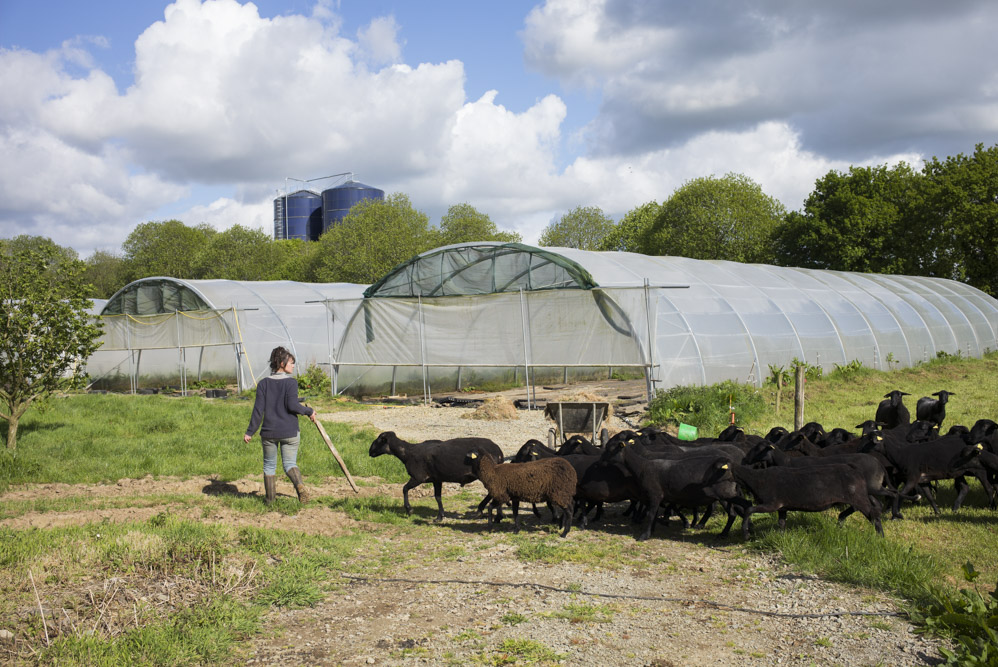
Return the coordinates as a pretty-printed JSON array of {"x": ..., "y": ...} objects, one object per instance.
[
  {"x": 878, "y": 438},
  {"x": 980, "y": 446},
  {"x": 474, "y": 455},
  {"x": 724, "y": 467},
  {"x": 772, "y": 446}
]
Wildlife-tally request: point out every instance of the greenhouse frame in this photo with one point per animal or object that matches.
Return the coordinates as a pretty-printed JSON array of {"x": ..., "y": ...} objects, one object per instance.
[
  {"x": 161, "y": 330},
  {"x": 676, "y": 320},
  {"x": 469, "y": 314}
]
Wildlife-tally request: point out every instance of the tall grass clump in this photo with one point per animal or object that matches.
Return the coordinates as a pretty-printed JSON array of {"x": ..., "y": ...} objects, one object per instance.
[
  {"x": 852, "y": 554},
  {"x": 707, "y": 408}
]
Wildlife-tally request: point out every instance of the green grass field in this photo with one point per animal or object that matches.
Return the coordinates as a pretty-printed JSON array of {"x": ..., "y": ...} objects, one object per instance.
[{"x": 92, "y": 439}]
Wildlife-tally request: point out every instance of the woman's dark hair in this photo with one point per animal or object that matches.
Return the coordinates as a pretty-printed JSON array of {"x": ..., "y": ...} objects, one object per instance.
[{"x": 278, "y": 357}]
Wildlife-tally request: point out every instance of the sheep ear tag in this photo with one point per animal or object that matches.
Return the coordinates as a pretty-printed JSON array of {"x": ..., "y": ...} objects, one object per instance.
[
  {"x": 878, "y": 438},
  {"x": 980, "y": 446},
  {"x": 473, "y": 455},
  {"x": 724, "y": 467}
]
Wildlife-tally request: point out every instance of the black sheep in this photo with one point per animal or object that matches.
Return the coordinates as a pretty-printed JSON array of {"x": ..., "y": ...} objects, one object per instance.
[
  {"x": 435, "y": 461},
  {"x": 691, "y": 481},
  {"x": 892, "y": 412},
  {"x": 782, "y": 489},
  {"x": 933, "y": 409}
]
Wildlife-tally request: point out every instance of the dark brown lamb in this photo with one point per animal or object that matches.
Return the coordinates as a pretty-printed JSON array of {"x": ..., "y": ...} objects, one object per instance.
[{"x": 550, "y": 480}]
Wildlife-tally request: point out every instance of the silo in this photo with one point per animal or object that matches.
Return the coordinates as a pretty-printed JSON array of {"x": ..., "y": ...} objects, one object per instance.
[
  {"x": 298, "y": 216},
  {"x": 337, "y": 202}
]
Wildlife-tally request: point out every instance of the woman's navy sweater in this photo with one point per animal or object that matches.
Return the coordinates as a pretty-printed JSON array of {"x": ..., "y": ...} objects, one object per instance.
[{"x": 278, "y": 407}]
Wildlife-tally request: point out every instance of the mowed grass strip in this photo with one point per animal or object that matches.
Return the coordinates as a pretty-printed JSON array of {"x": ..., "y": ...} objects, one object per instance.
[{"x": 96, "y": 439}]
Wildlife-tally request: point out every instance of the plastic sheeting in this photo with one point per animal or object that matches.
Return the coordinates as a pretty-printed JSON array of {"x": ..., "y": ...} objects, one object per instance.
[
  {"x": 164, "y": 330},
  {"x": 687, "y": 321}
]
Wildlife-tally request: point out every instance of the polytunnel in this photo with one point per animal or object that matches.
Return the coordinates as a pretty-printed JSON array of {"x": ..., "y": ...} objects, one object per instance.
[
  {"x": 483, "y": 308},
  {"x": 160, "y": 330}
]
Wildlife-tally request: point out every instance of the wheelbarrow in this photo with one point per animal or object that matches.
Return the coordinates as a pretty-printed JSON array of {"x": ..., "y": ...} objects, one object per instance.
[{"x": 576, "y": 418}]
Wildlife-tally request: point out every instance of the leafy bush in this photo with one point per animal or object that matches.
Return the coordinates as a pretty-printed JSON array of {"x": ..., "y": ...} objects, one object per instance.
[
  {"x": 969, "y": 618},
  {"x": 705, "y": 407},
  {"x": 314, "y": 381}
]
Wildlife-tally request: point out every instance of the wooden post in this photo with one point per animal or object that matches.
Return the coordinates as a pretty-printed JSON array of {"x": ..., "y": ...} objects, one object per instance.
[
  {"x": 779, "y": 390},
  {"x": 799, "y": 398}
]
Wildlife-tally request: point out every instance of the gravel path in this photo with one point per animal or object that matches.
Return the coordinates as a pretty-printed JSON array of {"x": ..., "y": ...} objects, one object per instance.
[
  {"x": 649, "y": 606},
  {"x": 418, "y": 423}
]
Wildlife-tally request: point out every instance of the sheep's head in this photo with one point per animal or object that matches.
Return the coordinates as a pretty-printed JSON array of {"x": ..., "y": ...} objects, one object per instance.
[{"x": 381, "y": 443}]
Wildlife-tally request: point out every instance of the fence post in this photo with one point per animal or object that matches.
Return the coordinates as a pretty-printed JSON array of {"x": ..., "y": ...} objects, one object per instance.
[{"x": 799, "y": 398}]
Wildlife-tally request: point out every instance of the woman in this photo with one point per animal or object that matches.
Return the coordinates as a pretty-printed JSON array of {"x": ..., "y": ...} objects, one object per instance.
[{"x": 278, "y": 408}]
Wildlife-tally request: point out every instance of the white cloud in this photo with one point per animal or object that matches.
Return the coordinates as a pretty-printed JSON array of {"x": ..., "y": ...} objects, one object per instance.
[
  {"x": 225, "y": 98},
  {"x": 857, "y": 79},
  {"x": 379, "y": 40}
]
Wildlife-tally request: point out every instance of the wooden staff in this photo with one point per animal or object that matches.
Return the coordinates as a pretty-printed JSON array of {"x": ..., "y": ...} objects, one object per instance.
[{"x": 339, "y": 459}]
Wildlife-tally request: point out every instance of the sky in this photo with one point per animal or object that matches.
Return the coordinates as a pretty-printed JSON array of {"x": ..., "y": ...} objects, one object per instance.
[{"x": 125, "y": 111}]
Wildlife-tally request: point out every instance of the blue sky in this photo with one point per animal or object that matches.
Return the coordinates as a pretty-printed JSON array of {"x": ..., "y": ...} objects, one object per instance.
[{"x": 132, "y": 111}]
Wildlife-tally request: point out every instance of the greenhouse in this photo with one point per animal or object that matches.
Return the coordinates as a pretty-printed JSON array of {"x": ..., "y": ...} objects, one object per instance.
[
  {"x": 163, "y": 331},
  {"x": 462, "y": 314}
]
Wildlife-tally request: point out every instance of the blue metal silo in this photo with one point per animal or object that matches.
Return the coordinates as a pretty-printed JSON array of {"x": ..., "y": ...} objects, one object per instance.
[
  {"x": 337, "y": 202},
  {"x": 298, "y": 216}
]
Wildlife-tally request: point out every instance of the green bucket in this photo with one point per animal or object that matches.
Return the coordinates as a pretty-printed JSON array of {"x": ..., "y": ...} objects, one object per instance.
[{"x": 687, "y": 432}]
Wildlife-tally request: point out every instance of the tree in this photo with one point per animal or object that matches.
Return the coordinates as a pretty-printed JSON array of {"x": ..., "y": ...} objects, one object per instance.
[
  {"x": 295, "y": 257},
  {"x": 107, "y": 272},
  {"x": 238, "y": 253},
  {"x": 164, "y": 248},
  {"x": 716, "y": 218},
  {"x": 45, "y": 327},
  {"x": 463, "y": 223},
  {"x": 373, "y": 238},
  {"x": 584, "y": 227},
  {"x": 855, "y": 221},
  {"x": 958, "y": 218},
  {"x": 628, "y": 234}
]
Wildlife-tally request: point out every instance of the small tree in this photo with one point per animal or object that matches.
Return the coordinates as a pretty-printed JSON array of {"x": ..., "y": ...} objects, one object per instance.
[
  {"x": 45, "y": 329},
  {"x": 584, "y": 227}
]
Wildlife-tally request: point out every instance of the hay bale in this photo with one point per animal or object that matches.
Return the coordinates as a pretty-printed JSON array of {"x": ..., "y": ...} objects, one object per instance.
[
  {"x": 495, "y": 408},
  {"x": 585, "y": 397}
]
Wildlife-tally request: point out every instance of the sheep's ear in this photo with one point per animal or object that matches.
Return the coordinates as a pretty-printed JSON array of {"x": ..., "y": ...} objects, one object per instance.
[{"x": 473, "y": 455}]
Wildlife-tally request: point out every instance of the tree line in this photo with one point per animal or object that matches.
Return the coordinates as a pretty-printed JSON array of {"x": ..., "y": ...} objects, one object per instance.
[{"x": 939, "y": 221}]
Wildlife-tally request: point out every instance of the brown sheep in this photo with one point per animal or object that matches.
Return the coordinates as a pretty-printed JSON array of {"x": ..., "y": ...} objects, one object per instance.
[{"x": 550, "y": 480}]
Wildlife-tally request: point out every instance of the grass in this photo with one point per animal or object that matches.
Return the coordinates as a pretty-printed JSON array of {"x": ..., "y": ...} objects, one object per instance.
[
  {"x": 221, "y": 580},
  {"x": 110, "y": 437}
]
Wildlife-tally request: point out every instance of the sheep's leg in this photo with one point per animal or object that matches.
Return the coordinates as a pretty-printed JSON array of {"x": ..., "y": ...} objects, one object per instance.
[
  {"x": 926, "y": 488},
  {"x": 482, "y": 505},
  {"x": 516, "y": 516},
  {"x": 732, "y": 508},
  {"x": 706, "y": 515},
  {"x": 747, "y": 522},
  {"x": 845, "y": 513},
  {"x": 782, "y": 514},
  {"x": 437, "y": 491},
  {"x": 566, "y": 521},
  {"x": 962, "y": 488},
  {"x": 411, "y": 484},
  {"x": 653, "y": 504}
]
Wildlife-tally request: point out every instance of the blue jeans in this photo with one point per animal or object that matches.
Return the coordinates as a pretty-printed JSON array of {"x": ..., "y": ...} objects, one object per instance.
[{"x": 289, "y": 454}]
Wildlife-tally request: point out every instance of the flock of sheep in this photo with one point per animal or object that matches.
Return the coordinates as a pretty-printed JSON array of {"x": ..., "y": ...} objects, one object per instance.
[{"x": 893, "y": 459}]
